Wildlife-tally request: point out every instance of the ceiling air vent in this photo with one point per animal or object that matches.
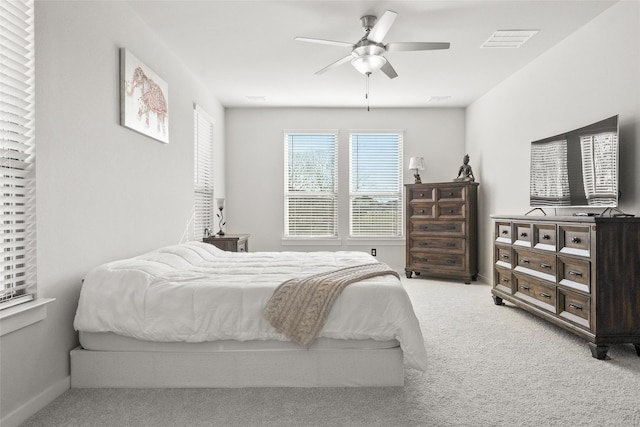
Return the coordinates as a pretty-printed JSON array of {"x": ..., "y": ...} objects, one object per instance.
[{"x": 509, "y": 38}]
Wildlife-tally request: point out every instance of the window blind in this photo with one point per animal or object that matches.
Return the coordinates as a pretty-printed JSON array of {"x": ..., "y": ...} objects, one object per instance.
[
  {"x": 17, "y": 144},
  {"x": 375, "y": 193},
  {"x": 311, "y": 184},
  {"x": 203, "y": 176}
]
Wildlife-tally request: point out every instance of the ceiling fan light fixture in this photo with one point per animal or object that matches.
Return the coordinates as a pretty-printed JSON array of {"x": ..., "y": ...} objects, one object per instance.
[{"x": 368, "y": 63}]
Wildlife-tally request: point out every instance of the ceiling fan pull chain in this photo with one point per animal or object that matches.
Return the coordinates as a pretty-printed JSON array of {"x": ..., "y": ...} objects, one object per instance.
[{"x": 366, "y": 96}]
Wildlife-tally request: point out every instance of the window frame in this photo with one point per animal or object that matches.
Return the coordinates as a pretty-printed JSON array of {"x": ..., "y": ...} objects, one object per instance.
[
  {"x": 398, "y": 230},
  {"x": 17, "y": 139},
  {"x": 332, "y": 194},
  {"x": 203, "y": 211}
]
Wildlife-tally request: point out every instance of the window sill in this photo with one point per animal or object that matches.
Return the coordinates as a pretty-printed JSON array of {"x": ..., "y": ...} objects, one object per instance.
[
  {"x": 379, "y": 241},
  {"x": 23, "y": 315},
  {"x": 329, "y": 241}
]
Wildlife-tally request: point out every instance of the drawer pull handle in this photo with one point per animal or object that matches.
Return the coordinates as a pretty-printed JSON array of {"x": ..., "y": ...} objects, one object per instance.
[
  {"x": 525, "y": 261},
  {"x": 504, "y": 279},
  {"x": 450, "y": 211},
  {"x": 575, "y": 240},
  {"x": 525, "y": 288},
  {"x": 421, "y": 210},
  {"x": 575, "y": 307},
  {"x": 424, "y": 227},
  {"x": 421, "y": 194},
  {"x": 543, "y": 295},
  {"x": 505, "y": 256},
  {"x": 450, "y": 193},
  {"x": 545, "y": 266},
  {"x": 546, "y": 237},
  {"x": 450, "y": 261},
  {"x": 575, "y": 273},
  {"x": 505, "y": 231},
  {"x": 451, "y": 245},
  {"x": 523, "y": 234},
  {"x": 451, "y": 227}
]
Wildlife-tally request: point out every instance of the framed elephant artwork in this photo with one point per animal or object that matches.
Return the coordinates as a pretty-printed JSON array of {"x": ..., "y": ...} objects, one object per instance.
[{"x": 144, "y": 98}]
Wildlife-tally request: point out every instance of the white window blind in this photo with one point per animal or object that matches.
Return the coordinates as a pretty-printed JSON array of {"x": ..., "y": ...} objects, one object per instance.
[
  {"x": 311, "y": 184},
  {"x": 17, "y": 162},
  {"x": 375, "y": 193},
  {"x": 203, "y": 174}
]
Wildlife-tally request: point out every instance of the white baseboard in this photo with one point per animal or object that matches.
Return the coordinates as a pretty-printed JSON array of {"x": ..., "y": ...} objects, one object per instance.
[{"x": 21, "y": 414}]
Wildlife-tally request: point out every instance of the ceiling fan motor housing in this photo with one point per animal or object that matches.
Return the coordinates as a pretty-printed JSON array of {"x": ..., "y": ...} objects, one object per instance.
[{"x": 368, "y": 21}]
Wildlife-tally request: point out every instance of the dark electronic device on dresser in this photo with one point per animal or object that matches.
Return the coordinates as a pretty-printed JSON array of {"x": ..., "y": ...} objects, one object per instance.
[{"x": 578, "y": 168}]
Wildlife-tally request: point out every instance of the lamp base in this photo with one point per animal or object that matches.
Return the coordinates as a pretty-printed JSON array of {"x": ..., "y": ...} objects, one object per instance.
[{"x": 417, "y": 177}]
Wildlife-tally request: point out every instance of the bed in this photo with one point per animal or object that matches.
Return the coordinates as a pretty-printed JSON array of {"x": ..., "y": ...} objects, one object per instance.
[{"x": 192, "y": 315}]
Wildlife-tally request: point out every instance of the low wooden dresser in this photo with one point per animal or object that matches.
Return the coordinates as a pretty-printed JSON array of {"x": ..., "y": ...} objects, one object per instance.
[
  {"x": 441, "y": 230},
  {"x": 580, "y": 273},
  {"x": 230, "y": 242}
]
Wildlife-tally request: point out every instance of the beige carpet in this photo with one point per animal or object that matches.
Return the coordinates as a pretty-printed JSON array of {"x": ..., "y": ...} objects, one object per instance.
[{"x": 488, "y": 366}]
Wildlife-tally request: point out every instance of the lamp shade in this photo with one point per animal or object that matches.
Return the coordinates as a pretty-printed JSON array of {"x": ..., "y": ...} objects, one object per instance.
[
  {"x": 220, "y": 204},
  {"x": 368, "y": 63},
  {"x": 416, "y": 163}
]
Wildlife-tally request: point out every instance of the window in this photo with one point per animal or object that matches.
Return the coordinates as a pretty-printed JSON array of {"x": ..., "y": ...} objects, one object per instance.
[
  {"x": 203, "y": 177},
  {"x": 375, "y": 195},
  {"x": 311, "y": 184},
  {"x": 17, "y": 161}
]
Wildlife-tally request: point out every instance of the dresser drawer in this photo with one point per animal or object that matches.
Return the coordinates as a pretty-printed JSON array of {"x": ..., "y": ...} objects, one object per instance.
[
  {"x": 522, "y": 234},
  {"x": 575, "y": 240},
  {"x": 575, "y": 307},
  {"x": 502, "y": 255},
  {"x": 422, "y": 193},
  {"x": 503, "y": 232},
  {"x": 436, "y": 261},
  {"x": 450, "y": 210},
  {"x": 450, "y": 193},
  {"x": 443, "y": 245},
  {"x": 502, "y": 279},
  {"x": 574, "y": 273},
  {"x": 537, "y": 264},
  {"x": 544, "y": 236},
  {"x": 536, "y": 292},
  {"x": 421, "y": 210},
  {"x": 443, "y": 228}
]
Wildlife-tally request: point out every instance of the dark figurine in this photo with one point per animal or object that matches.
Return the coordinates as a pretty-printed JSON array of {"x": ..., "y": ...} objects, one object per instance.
[{"x": 465, "y": 173}]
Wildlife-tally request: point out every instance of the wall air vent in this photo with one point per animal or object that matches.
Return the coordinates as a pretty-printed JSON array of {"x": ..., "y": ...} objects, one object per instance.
[
  {"x": 438, "y": 98},
  {"x": 508, "y": 38}
]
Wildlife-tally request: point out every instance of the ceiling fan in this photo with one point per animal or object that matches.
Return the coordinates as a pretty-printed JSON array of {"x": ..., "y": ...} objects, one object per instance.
[{"x": 367, "y": 53}]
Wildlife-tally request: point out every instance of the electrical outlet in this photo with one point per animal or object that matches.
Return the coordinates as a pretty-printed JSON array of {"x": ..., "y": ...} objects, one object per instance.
[{"x": 373, "y": 252}]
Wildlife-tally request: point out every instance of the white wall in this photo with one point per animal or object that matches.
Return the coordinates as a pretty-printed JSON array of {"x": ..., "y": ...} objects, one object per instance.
[
  {"x": 591, "y": 75},
  {"x": 103, "y": 191},
  {"x": 255, "y": 149}
]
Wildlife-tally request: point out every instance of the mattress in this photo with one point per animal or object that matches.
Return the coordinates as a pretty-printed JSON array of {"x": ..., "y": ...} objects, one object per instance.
[
  {"x": 108, "y": 341},
  {"x": 197, "y": 293}
]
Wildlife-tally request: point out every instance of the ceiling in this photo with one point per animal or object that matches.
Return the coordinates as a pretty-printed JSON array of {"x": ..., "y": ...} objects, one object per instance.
[{"x": 246, "y": 52}]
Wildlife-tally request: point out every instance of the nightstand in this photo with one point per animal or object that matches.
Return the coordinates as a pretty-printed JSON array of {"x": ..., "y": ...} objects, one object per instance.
[{"x": 230, "y": 242}]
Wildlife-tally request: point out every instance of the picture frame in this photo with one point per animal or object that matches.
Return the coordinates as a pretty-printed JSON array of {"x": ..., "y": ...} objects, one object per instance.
[{"x": 144, "y": 98}]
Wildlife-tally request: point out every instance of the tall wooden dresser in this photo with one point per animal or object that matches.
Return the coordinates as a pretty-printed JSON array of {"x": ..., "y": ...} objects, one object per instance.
[
  {"x": 580, "y": 273},
  {"x": 441, "y": 233}
]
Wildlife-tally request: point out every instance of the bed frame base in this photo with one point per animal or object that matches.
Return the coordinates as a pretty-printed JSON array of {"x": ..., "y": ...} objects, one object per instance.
[{"x": 228, "y": 369}]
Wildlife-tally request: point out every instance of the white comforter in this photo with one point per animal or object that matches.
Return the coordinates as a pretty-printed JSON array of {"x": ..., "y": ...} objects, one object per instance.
[{"x": 195, "y": 292}]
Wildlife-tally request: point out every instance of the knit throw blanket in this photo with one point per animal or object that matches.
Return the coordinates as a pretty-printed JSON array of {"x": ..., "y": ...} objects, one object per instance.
[{"x": 299, "y": 307}]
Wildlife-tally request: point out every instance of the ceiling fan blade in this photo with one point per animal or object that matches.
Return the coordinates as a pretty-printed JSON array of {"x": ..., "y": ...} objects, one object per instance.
[
  {"x": 382, "y": 27},
  {"x": 322, "y": 41},
  {"x": 409, "y": 46},
  {"x": 388, "y": 70},
  {"x": 340, "y": 61}
]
